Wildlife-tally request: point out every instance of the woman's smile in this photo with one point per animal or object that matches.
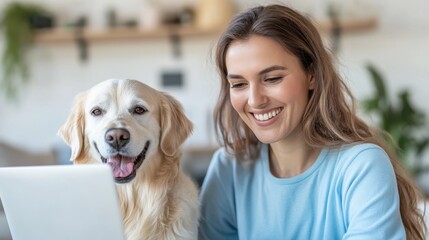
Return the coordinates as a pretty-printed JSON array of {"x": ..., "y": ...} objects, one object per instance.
[{"x": 267, "y": 115}]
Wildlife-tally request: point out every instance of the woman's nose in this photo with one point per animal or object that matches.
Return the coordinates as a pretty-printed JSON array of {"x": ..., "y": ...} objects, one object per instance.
[{"x": 257, "y": 97}]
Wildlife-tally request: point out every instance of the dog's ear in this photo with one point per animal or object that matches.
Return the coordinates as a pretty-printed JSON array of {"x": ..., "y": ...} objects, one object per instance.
[
  {"x": 175, "y": 126},
  {"x": 72, "y": 131}
]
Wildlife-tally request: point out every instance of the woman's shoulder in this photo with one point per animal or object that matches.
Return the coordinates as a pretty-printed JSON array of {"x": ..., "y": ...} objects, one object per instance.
[
  {"x": 358, "y": 150},
  {"x": 360, "y": 147},
  {"x": 223, "y": 156},
  {"x": 222, "y": 160},
  {"x": 363, "y": 156}
]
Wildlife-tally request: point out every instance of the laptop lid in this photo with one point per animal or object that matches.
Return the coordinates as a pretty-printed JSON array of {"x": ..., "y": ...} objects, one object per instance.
[{"x": 61, "y": 202}]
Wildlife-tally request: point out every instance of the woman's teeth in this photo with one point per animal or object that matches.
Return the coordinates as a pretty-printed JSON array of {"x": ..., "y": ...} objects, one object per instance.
[{"x": 266, "y": 116}]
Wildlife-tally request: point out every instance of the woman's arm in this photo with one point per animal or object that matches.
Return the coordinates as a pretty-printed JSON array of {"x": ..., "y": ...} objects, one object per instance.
[{"x": 218, "y": 219}]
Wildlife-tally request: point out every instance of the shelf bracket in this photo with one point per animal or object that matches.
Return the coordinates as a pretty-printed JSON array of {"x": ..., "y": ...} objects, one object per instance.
[
  {"x": 81, "y": 42},
  {"x": 176, "y": 41}
]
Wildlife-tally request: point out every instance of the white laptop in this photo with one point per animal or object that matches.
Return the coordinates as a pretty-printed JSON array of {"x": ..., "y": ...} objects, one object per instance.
[{"x": 67, "y": 202}]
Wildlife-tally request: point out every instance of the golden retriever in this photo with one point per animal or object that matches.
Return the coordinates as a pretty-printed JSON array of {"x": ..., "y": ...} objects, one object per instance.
[{"x": 138, "y": 131}]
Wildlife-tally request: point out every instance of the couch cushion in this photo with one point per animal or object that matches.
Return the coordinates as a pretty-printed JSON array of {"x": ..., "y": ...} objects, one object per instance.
[{"x": 14, "y": 156}]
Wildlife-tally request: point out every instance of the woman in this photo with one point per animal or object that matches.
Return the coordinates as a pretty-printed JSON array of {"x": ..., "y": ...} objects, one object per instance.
[{"x": 297, "y": 162}]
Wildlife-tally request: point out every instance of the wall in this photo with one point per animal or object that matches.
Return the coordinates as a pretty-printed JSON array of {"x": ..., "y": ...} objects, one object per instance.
[
  {"x": 57, "y": 75},
  {"x": 398, "y": 47}
]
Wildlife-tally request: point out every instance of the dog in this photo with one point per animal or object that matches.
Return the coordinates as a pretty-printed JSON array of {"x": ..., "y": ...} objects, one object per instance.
[{"x": 138, "y": 131}]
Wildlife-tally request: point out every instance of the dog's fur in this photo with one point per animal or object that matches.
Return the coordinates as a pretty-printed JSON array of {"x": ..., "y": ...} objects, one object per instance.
[{"x": 119, "y": 120}]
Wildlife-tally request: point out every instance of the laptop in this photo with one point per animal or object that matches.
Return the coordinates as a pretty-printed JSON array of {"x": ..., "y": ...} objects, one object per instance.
[{"x": 66, "y": 202}]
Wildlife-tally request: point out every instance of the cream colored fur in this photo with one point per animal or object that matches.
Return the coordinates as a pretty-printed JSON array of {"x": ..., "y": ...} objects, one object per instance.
[{"x": 160, "y": 202}]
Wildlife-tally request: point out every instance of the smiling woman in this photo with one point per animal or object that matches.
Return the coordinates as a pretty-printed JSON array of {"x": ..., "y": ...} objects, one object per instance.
[{"x": 297, "y": 161}]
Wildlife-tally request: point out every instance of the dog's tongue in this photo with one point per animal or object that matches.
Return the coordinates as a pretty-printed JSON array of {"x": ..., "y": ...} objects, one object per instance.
[{"x": 121, "y": 166}]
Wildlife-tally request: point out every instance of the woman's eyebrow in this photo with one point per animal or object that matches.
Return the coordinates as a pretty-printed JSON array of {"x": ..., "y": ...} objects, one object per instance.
[
  {"x": 262, "y": 72},
  {"x": 233, "y": 76},
  {"x": 272, "y": 68}
]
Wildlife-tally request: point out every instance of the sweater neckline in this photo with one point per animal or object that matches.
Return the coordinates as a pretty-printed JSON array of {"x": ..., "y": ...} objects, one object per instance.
[{"x": 294, "y": 179}]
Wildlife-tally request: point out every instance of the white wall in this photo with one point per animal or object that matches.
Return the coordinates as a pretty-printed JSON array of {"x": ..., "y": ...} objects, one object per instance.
[{"x": 398, "y": 47}]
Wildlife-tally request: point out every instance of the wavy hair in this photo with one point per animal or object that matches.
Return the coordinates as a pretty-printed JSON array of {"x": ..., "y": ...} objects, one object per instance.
[{"x": 330, "y": 118}]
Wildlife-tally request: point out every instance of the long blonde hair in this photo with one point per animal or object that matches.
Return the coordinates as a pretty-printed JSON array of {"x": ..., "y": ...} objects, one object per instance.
[{"x": 330, "y": 118}]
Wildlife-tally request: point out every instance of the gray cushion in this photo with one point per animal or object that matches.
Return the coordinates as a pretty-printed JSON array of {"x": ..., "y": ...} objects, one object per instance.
[{"x": 14, "y": 156}]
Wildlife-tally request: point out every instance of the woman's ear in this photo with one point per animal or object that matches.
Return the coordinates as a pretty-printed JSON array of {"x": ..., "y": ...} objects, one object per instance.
[
  {"x": 311, "y": 82},
  {"x": 310, "y": 77},
  {"x": 175, "y": 126}
]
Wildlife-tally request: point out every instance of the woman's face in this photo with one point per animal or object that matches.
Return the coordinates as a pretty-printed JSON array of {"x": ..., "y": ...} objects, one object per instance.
[{"x": 269, "y": 89}]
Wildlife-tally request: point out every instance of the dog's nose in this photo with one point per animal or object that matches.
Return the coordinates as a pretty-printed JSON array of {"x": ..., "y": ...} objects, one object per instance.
[{"x": 117, "y": 137}]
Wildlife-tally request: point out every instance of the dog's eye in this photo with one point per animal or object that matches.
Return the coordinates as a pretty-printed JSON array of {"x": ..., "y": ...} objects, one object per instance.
[
  {"x": 139, "y": 110},
  {"x": 96, "y": 112}
]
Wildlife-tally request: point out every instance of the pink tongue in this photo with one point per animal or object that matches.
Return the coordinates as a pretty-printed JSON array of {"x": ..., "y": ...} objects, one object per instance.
[{"x": 121, "y": 166}]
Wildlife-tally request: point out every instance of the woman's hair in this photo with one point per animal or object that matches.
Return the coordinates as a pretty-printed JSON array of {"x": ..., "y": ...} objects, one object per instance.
[{"x": 330, "y": 118}]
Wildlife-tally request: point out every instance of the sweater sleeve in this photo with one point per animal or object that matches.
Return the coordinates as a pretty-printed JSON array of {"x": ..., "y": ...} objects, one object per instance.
[
  {"x": 370, "y": 197},
  {"x": 218, "y": 219}
]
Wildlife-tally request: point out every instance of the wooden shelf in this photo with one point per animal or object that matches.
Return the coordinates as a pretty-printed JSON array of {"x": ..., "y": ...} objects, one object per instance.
[
  {"x": 349, "y": 25},
  {"x": 67, "y": 35}
]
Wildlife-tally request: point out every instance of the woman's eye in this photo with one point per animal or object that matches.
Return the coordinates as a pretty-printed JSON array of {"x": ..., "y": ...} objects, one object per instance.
[
  {"x": 96, "y": 112},
  {"x": 139, "y": 110},
  {"x": 273, "y": 79},
  {"x": 237, "y": 85}
]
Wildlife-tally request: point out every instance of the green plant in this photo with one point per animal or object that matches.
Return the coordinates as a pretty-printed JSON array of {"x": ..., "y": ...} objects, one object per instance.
[
  {"x": 402, "y": 120},
  {"x": 17, "y": 30}
]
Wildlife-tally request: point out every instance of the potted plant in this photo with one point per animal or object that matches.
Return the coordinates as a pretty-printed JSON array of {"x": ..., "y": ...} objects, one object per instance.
[
  {"x": 404, "y": 121},
  {"x": 18, "y": 20}
]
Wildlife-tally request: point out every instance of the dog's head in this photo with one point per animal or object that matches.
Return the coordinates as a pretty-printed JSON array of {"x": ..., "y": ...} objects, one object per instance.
[{"x": 124, "y": 123}]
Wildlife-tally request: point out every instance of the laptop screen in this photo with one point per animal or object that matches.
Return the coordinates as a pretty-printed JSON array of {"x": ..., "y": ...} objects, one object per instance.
[{"x": 61, "y": 202}]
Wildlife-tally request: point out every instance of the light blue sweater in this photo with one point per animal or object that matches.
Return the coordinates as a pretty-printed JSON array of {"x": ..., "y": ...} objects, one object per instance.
[{"x": 349, "y": 193}]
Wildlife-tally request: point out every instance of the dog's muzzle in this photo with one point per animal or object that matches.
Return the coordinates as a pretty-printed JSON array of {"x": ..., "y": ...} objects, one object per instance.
[{"x": 124, "y": 168}]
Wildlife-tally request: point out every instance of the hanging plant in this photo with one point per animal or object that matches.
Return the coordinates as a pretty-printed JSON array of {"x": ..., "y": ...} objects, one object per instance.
[{"x": 18, "y": 21}]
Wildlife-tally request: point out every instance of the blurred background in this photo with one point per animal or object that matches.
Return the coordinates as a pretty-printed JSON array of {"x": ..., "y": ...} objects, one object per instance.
[{"x": 63, "y": 47}]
